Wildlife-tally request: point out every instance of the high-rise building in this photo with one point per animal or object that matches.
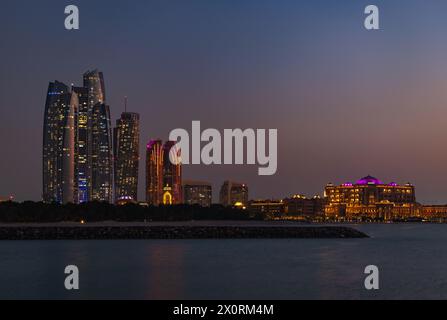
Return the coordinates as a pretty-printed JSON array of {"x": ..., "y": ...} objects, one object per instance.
[
  {"x": 59, "y": 144},
  {"x": 80, "y": 115},
  {"x": 96, "y": 94},
  {"x": 197, "y": 193},
  {"x": 234, "y": 194},
  {"x": 163, "y": 176},
  {"x": 172, "y": 174},
  {"x": 94, "y": 83},
  {"x": 126, "y": 150},
  {"x": 154, "y": 172},
  {"x": 82, "y": 165},
  {"x": 101, "y": 154}
]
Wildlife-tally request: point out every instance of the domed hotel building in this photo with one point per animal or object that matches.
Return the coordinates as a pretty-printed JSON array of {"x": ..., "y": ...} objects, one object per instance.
[{"x": 370, "y": 198}]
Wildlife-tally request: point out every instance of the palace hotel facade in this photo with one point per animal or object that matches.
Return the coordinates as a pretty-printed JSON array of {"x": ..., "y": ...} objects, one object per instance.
[{"x": 370, "y": 198}]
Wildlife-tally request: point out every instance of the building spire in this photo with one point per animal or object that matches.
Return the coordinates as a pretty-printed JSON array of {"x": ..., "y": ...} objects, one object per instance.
[{"x": 125, "y": 104}]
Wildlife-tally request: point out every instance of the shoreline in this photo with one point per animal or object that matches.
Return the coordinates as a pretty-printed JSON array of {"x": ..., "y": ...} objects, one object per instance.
[
  {"x": 179, "y": 231},
  {"x": 204, "y": 223}
]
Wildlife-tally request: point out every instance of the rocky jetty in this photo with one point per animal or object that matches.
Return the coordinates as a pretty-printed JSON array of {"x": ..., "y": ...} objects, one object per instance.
[{"x": 175, "y": 232}]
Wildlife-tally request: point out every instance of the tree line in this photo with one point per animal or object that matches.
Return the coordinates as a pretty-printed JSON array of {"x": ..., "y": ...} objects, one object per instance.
[{"x": 39, "y": 212}]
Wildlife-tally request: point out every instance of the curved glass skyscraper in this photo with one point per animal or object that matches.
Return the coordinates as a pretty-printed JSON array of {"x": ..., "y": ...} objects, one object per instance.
[
  {"x": 82, "y": 165},
  {"x": 102, "y": 154},
  {"x": 59, "y": 144},
  {"x": 99, "y": 139}
]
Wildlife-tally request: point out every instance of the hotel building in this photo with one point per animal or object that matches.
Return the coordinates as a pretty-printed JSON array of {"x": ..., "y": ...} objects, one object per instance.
[
  {"x": 163, "y": 176},
  {"x": 370, "y": 198}
]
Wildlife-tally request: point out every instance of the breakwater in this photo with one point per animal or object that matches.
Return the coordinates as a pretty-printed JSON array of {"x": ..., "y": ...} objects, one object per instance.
[{"x": 174, "y": 232}]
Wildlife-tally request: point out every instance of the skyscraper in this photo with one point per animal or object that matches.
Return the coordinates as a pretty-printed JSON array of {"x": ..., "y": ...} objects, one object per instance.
[
  {"x": 78, "y": 148},
  {"x": 82, "y": 164},
  {"x": 94, "y": 83},
  {"x": 59, "y": 144},
  {"x": 233, "y": 193},
  {"x": 101, "y": 154},
  {"x": 126, "y": 150},
  {"x": 96, "y": 94},
  {"x": 163, "y": 177},
  {"x": 99, "y": 139}
]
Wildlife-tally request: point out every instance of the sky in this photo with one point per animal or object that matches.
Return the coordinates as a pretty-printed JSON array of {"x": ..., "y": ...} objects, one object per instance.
[{"x": 347, "y": 102}]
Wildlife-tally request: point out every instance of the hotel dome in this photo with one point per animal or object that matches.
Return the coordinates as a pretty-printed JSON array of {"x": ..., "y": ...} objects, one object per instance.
[{"x": 369, "y": 180}]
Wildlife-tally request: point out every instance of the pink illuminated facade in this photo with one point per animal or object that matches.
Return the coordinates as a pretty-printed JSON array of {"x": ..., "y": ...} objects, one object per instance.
[{"x": 163, "y": 176}]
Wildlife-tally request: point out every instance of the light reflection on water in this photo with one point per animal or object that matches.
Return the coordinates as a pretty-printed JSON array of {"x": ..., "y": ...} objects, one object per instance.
[{"x": 412, "y": 260}]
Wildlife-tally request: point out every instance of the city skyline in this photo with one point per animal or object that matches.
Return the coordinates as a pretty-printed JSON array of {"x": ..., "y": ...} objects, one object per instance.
[
  {"x": 78, "y": 119},
  {"x": 345, "y": 101}
]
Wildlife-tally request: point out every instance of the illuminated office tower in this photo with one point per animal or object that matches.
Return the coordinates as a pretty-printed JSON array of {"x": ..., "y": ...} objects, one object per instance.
[
  {"x": 163, "y": 178},
  {"x": 59, "y": 144},
  {"x": 82, "y": 166},
  {"x": 234, "y": 194},
  {"x": 101, "y": 154},
  {"x": 126, "y": 150}
]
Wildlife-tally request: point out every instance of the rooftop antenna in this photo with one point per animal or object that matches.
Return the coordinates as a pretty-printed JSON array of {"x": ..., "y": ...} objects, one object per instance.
[{"x": 125, "y": 104}]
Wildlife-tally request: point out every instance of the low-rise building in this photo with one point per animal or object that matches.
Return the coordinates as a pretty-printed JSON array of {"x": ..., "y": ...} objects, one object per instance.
[
  {"x": 270, "y": 209},
  {"x": 434, "y": 212},
  {"x": 304, "y": 207}
]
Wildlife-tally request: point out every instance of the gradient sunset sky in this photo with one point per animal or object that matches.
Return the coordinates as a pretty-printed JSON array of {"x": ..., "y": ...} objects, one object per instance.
[{"x": 347, "y": 102}]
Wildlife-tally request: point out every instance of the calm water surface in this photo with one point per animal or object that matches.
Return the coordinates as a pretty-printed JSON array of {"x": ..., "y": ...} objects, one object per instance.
[{"x": 412, "y": 259}]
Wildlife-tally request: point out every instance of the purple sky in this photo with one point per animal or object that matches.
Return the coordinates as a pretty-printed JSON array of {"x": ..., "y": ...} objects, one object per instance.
[{"x": 347, "y": 102}]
